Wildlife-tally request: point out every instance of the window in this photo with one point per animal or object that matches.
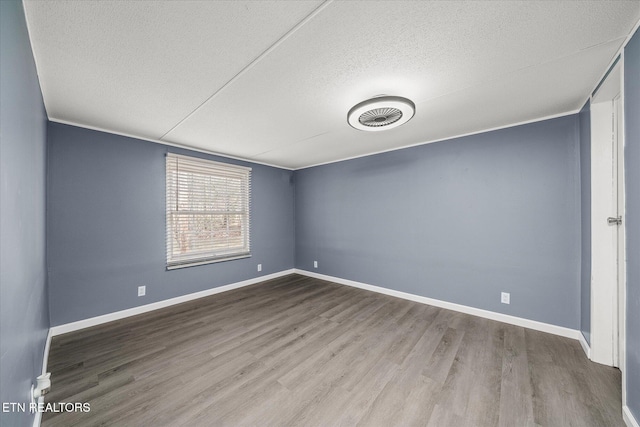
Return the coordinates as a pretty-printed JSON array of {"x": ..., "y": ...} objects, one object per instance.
[{"x": 207, "y": 211}]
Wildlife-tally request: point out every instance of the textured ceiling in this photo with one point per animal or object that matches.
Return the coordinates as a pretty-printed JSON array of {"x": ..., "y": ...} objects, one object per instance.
[{"x": 272, "y": 81}]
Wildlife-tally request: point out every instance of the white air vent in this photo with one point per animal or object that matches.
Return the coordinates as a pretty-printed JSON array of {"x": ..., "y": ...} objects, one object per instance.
[{"x": 381, "y": 113}]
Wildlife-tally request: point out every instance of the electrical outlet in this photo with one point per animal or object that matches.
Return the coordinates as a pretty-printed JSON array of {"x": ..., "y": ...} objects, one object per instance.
[
  {"x": 315, "y": 264},
  {"x": 505, "y": 298},
  {"x": 259, "y": 267},
  {"x": 142, "y": 291}
]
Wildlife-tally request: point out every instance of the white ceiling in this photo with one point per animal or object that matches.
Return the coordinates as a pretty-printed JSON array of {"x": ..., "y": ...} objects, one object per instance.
[{"x": 272, "y": 81}]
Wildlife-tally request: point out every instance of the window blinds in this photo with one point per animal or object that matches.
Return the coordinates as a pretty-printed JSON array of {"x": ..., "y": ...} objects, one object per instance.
[{"x": 208, "y": 206}]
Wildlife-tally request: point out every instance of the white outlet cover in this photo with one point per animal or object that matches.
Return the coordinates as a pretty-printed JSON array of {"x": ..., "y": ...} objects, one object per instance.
[
  {"x": 142, "y": 291},
  {"x": 315, "y": 264},
  {"x": 259, "y": 267},
  {"x": 505, "y": 298}
]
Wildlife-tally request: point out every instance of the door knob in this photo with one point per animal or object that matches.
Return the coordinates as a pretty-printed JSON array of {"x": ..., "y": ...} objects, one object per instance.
[{"x": 614, "y": 221}]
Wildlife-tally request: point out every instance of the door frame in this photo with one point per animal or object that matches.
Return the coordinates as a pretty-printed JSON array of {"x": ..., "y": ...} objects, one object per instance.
[{"x": 608, "y": 255}]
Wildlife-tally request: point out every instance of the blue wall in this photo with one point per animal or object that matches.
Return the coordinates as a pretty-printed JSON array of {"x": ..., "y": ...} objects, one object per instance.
[
  {"x": 106, "y": 222},
  {"x": 24, "y": 316},
  {"x": 585, "y": 212},
  {"x": 632, "y": 185},
  {"x": 458, "y": 221}
]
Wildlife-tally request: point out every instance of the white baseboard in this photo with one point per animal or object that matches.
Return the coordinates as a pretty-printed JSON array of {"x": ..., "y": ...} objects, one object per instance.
[
  {"x": 585, "y": 345},
  {"x": 628, "y": 417},
  {"x": 98, "y": 320},
  {"x": 505, "y": 318}
]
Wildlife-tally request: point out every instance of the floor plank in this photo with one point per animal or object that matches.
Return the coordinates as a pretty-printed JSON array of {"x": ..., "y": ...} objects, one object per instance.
[{"x": 302, "y": 351}]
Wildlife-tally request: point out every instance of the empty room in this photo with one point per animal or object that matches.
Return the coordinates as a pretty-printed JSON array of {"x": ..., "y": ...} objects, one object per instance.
[{"x": 319, "y": 213}]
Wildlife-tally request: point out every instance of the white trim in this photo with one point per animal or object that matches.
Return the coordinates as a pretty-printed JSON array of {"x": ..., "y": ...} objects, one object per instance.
[
  {"x": 505, "y": 318},
  {"x": 200, "y": 150},
  {"x": 604, "y": 292},
  {"x": 628, "y": 417},
  {"x": 98, "y": 320},
  {"x": 585, "y": 346},
  {"x": 622, "y": 242},
  {"x": 620, "y": 51},
  {"x": 633, "y": 31},
  {"x": 431, "y": 141},
  {"x": 250, "y": 160},
  {"x": 170, "y": 144},
  {"x": 249, "y": 66}
]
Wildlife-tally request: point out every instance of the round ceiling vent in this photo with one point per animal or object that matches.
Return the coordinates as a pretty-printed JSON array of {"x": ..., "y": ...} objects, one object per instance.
[{"x": 381, "y": 113}]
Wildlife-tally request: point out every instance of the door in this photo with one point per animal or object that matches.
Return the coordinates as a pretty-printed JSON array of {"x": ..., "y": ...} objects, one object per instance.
[{"x": 607, "y": 228}]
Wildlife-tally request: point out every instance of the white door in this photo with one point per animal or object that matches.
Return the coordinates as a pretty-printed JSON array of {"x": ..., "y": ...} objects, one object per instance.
[{"x": 607, "y": 238}]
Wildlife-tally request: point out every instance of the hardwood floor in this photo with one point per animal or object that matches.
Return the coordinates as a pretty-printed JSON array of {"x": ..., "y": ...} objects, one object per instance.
[{"x": 301, "y": 351}]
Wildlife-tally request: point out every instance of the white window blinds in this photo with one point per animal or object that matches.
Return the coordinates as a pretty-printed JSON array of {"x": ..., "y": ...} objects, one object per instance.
[{"x": 207, "y": 211}]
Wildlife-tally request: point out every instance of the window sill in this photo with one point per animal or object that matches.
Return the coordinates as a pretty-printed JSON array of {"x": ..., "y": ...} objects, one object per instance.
[{"x": 205, "y": 262}]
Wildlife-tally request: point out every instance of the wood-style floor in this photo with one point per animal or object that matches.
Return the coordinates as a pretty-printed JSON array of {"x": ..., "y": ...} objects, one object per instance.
[{"x": 301, "y": 351}]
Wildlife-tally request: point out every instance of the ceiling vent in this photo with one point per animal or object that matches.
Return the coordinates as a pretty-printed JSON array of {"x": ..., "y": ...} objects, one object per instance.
[{"x": 381, "y": 113}]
